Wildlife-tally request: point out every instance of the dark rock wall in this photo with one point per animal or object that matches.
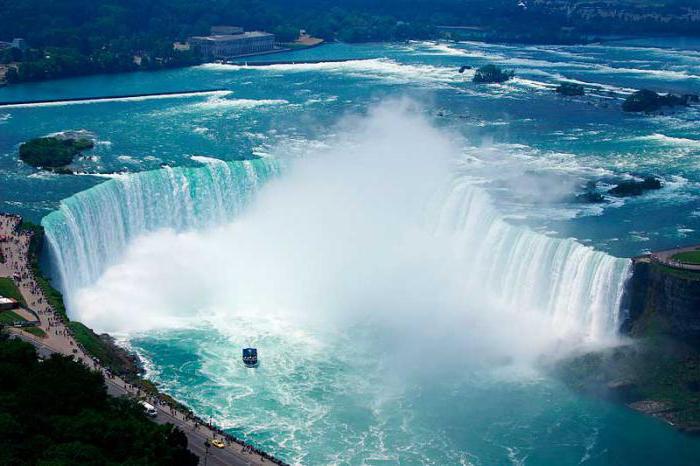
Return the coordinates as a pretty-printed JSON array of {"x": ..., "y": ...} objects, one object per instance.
[{"x": 662, "y": 301}]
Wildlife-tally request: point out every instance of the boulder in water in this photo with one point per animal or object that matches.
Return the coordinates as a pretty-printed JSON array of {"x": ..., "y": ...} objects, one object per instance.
[
  {"x": 570, "y": 89},
  {"x": 636, "y": 187},
  {"x": 590, "y": 195},
  {"x": 649, "y": 101},
  {"x": 492, "y": 74}
]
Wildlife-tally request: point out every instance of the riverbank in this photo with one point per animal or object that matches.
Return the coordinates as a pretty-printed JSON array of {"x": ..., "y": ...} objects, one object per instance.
[{"x": 79, "y": 342}]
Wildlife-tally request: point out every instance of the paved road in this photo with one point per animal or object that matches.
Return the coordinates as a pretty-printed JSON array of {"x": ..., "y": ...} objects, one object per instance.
[{"x": 15, "y": 248}]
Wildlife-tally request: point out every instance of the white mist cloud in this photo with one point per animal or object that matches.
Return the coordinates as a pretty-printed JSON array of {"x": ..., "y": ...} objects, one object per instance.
[{"x": 346, "y": 239}]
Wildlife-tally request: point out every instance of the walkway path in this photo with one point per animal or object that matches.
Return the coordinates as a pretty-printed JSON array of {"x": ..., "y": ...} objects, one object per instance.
[
  {"x": 15, "y": 250},
  {"x": 666, "y": 258}
]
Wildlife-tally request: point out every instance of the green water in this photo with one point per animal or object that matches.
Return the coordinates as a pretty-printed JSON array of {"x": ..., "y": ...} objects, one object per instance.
[{"x": 346, "y": 394}]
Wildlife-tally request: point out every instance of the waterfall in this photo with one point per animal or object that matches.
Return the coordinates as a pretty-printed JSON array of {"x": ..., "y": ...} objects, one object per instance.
[
  {"x": 91, "y": 229},
  {"x": 578, "y": 288}
]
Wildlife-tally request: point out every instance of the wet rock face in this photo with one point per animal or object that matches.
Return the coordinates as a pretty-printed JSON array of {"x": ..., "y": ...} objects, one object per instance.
[{"x": 662, "y": 300}]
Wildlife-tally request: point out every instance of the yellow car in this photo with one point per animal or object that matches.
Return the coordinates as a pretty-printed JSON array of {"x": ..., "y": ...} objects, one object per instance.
[{"x": 218, "y": 443}]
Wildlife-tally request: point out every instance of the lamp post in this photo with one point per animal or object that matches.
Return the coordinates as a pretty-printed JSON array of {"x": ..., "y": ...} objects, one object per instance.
[{"x": 206, "y": 451}]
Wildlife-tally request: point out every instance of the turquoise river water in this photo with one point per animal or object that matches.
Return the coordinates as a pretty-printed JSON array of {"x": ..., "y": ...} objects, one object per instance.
[{"x": 406, "y": 249}]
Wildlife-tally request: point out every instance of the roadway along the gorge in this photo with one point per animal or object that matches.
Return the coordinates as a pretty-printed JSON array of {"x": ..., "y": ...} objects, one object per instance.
[{"x": 15, "y": 250}]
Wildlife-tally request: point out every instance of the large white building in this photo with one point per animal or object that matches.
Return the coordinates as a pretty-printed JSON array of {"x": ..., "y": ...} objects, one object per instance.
[{"x": 220, "y": 46}]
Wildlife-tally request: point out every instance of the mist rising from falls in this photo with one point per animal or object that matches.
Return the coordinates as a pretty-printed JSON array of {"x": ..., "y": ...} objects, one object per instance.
[
  {"x": 92, "y": 229},
  {"x": 378, "y": 231}
]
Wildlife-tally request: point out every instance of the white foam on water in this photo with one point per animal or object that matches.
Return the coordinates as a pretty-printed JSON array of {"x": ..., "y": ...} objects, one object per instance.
[
  {"x": 668, "y": 140},
  {"x": 221, "y": 103},
  {"x": 43, "y": 175},
  {"x": 117, "y": 99},
  {"x": 675, "y": 75},
  {"x": 203, "y": 159},
  {"x": 532, "y": 84},
  {"x": 539, "y": 63},
  {"x": 450, "y": 50},
  {"x": 379, "y": 68},
  {"x": 597, "y": 86}
]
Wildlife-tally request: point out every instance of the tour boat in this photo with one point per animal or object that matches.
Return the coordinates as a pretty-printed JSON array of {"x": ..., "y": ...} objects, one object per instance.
[{"x": 250, "y": 357}]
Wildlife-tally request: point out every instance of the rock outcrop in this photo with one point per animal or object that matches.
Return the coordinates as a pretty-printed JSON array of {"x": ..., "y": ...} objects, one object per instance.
[
  {"x": 663, "y": 300},
  {"x": 657, "y": 372}
]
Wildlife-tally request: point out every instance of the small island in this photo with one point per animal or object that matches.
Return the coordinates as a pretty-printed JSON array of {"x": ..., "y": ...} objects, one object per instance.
[
  {"x": 625, "y": 188},
  {"x": 636, "y": 187},
  {"x": 570, "y": 89},
  {"x": 649, "y": 101},
  {"x": 488, "y": 74},
  {"x": 53, "y": 152}
]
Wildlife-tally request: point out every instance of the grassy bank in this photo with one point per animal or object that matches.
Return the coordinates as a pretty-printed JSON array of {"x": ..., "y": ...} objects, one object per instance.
[
  {"x": 9, "y": 317},
  {"x": 679, "y": 273},
  {"x": 36, "y": 331},
  {"x": 8, "y": 289},
  {"x": 688, "y": 257}
]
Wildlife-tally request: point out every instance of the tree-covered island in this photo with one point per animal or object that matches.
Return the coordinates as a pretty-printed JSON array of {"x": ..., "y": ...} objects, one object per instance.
[{"x": 53, "y": 153}]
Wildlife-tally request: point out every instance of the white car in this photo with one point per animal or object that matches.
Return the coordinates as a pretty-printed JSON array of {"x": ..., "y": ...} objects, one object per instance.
[{"x": 151, "y": 410}]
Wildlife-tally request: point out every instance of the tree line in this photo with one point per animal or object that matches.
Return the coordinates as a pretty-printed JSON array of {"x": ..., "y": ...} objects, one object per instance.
[
  {"x": 57, "y": 412},
  {"x": 74, "y": 37}
]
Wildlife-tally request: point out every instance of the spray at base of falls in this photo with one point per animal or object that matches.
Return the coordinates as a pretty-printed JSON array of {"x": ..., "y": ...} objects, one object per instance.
[
  {"x": 343, "y": 232},
  {"x": 92, "y": 229}
]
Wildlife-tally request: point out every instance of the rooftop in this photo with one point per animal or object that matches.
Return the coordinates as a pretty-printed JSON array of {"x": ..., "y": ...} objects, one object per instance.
[{"x": 230, "y": 37}]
